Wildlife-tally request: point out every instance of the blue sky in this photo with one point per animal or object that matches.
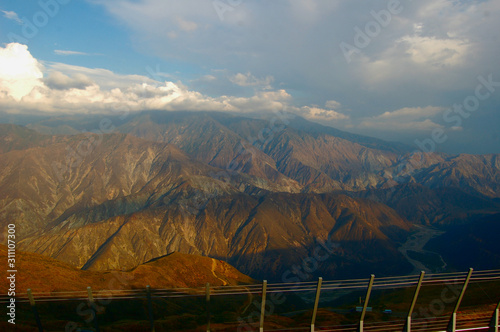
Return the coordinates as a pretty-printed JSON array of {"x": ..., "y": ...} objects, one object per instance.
[{"x": 390, "y": 69}]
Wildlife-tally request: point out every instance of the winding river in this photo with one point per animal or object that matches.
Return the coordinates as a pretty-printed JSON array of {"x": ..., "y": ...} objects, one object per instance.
[{"x": 416, "y": 242}]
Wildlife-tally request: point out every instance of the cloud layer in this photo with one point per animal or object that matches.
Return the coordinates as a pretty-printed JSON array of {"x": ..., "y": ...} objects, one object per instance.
[
  {"x": 407, "y": 65},
  {"x": 28, "y": 86}
]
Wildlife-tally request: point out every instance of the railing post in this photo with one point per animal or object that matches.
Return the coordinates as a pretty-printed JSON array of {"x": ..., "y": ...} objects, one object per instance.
[
  {"x": 414, "y": 301},
  {"x": 316, "y": 302},
  {"x": 495, "y": 319},
  {"x": 452, "y": 325},
  {"x": 35, "y": 311},
  {"x": 263, "y": 306},
  {"x": 150, "y": 308},
  {"x": 367, "y": 298},
  {"x": 93, "y": 308},
  {"x": 207, "y": 299}
]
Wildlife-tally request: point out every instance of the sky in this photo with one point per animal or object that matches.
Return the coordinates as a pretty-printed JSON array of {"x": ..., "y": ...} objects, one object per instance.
[{"x": 426, "y": 72}]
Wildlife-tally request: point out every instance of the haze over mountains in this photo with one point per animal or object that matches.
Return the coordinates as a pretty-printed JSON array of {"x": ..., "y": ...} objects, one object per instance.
[{"x": 262, "y": 195}]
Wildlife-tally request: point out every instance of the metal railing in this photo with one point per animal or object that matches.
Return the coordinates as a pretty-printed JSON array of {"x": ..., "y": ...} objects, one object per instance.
[{"x": 454, "y": 321}]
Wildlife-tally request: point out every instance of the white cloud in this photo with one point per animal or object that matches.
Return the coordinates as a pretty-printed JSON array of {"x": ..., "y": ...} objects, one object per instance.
[
  {"x": 332, "y": 104},
  {"x": 433, "y": 46},
  {"x": 394, "y": 126},
  {"x": 59, "y": 81},
  {"x": 317, "y": 113},
  {"x": 105, "y": 78},
  {"x": 431, "y": 51},
  {"x": 12, "y": 16},
  {"x": 208, "y": 78},
  {"x": 330, "y": 114},
  {"x": 421, "y": 60},
  {"x": 417, "y": 28},
  {"x": 262, "y": 101},
  {"x": 411, "y": 113},
  {"x": 68, "y": 88},
  {"x": 406, "y": 119},
  {"x": 186, "y": 25},
  {"x": 249, "y": 80},
  {"x": 20, "y": 72},
  {"x": 66, "y": 52}
]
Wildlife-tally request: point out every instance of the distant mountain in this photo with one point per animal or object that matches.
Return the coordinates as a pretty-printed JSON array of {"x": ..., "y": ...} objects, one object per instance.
[
  {"x": 471, "y": 173},
  {"x": 260, "y": 195},
  {"x": 208, "y": 141},
  {"x": 324, "y": 158},
  {"x": 13, "y": 137},
  {"x": 325, "y": 163},
  {"x": 439, "y": 206},
  {"x": 366, "y": 141}
]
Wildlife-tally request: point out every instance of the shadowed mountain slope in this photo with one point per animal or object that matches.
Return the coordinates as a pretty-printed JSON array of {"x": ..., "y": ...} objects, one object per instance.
[{"x": 260, "y": 195}]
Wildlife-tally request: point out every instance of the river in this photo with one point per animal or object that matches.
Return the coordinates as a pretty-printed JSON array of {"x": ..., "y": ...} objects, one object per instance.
[{"x": 416, "y": 242}]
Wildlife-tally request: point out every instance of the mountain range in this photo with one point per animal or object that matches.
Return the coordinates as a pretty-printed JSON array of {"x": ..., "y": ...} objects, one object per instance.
[{"x": 265, "y": 195}]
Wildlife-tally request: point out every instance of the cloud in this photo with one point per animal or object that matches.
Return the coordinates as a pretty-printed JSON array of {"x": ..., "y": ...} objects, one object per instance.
[
  {"x": 317, "y": 113},
  {"x": 431, "y": 51},
  {"x": 411, "y": 113},
  {"x": 416, "y": 59},
  {"x": 26, "y": 85},
  {"x": 65, "y": 52},
  {"x": 59, "y": 81},
  {"x": 432, "y": 46},
  {"x": 12, "y": 16},
  {"x": 262, "y": 101},
  {"x": 20, "y": 72},
  {"x": 395, "y": 126},
  {"x": 328, "y": 115},
  {"x": 412, "y": 119},
  {"x": 332, "y": 104},
  {"x": 207, "y": 78},
  {"x": 249, "y": 80},
  {"x": 105, "y": 78},
  {"x": 186, "y": 25}
]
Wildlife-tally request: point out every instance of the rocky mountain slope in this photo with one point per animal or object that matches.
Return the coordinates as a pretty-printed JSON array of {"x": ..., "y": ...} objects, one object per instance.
[
  {"x": 263, "y": 195},
  {"x": 45, "y": 274}
]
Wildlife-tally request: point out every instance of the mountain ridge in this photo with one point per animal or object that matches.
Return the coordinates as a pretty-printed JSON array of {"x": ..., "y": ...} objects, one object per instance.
[{"x": 174, "y": 182}]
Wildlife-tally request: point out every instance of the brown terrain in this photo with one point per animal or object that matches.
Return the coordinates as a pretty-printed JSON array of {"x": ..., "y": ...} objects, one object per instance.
[
  {"x": 194, "y": 183},
  {"x": 43, "y": 274}
]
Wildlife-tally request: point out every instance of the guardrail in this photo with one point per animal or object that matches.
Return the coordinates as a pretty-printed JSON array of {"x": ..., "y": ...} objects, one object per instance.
[{"x": 452, "y": 287}]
